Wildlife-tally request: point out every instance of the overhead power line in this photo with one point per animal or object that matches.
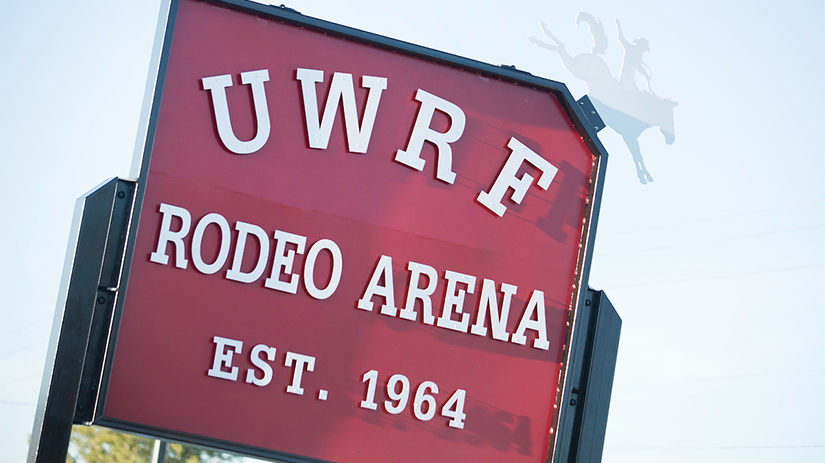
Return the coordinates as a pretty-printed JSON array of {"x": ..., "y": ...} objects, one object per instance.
[
  {"x": 732, "y": 447},
  {"x": 718, "y": 277},
  {"x": 24, "y": 348},
  {"x": 716, "y": 240},
  {"x": 22, "y": 378},
  {"x": 22, "y": 404},
  {"x": 710, "y": 219},
  {"x": 19, "y": 328},
  {"x": 664, "y": 380}
]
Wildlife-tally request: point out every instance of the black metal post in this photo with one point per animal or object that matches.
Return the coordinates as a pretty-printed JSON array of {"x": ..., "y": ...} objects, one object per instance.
[
  {"x": 78, "y": 300},
  {"x": 586, "y": 400}
]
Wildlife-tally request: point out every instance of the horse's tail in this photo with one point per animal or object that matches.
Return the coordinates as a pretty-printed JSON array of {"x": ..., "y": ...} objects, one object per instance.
[{"x": 596, "y": 30}]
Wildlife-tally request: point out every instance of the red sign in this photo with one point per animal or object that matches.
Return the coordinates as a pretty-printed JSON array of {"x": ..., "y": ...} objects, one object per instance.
[{"x": 347, "y": 253}]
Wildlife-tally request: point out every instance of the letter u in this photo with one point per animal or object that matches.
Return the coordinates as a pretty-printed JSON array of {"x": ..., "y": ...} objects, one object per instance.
[{"x": 217, "y": 87}]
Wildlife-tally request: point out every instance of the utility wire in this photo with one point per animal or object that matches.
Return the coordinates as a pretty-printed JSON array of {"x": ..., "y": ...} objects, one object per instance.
[
  {"x": 22, "y": 378},
  {"x": 710, "y": 219},
  {"x": 27, "y": 325},
  {"x": 22, "y": 404},
  {"x": 737, "y": 447},
  {"x": 717, "y": 240},
  {"x": 25, "y": 348},
  {"x": 660, "y": 380},
  {"x": 718, "y": 277}
]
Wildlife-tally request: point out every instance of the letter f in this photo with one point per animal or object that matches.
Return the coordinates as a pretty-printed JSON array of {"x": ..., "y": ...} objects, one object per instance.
[{"x": 519, "y": 153}]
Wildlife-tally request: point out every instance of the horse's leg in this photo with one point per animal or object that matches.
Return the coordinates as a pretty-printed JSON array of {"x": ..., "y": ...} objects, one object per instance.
[
  {"x": 647, "y": 175},
  {"x": 641, "y": 171},
  {"x": 550, "y": 35},
  {"x": 543, "y": 44}
]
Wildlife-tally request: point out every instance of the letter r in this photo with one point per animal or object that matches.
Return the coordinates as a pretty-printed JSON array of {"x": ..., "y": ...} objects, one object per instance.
[
  {"x": 422, "y": 132},
  {"x": 167, "y": 235}
]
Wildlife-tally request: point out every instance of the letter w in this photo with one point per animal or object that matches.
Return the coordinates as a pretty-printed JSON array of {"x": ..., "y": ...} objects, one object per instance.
[{"x": 319, "y": 129}]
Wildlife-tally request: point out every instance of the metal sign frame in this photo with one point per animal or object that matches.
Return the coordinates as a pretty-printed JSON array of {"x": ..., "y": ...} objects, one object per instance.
[{"x": 92, "y": 382}]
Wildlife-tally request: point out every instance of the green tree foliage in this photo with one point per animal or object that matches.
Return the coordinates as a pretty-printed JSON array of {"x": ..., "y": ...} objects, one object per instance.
[{"x": 98, "y": 445}]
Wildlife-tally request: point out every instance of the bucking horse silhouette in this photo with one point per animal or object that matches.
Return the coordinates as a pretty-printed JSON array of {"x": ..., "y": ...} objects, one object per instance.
[{"x": 625, "y": 107}]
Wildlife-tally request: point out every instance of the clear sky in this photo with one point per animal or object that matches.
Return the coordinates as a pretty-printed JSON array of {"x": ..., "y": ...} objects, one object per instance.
[{"x": 717, "y": 267}]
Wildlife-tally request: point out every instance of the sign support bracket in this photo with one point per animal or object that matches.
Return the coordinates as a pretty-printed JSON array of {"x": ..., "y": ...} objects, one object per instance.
[
  {"x": 586, "y": 399},
  {"x": 87, "y": 295}
]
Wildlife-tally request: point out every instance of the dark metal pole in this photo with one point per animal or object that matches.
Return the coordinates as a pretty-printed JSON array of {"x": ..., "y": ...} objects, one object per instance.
[
  {"x": 586, "y": 400},
  {"x": 79, "y": 297}
]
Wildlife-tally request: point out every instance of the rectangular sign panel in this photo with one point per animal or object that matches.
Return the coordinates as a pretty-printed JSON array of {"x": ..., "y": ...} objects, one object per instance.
[{"x": 348, "y": 252}]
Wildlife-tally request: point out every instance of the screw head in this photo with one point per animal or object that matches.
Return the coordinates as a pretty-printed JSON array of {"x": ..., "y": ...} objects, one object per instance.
[
  {"x": 101, "y": 300},
  {"x": 573, "y": 402},
  {"x": 121, "y": 194}
]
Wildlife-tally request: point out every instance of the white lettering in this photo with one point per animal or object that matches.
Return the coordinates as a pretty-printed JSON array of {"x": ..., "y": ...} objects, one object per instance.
[
  {"x": 301, "y": 362},
  {"x": 422, "y": 132},
  {"x": 197, "y": 239},
  {"x": 383, "y": 269},
  {"x": 422, "y": 294},
  {"x": 283, "y": 261},
  {"x": 223, "y": 358},
  {"x": 454, "y": 300},
  {"x": 244, "y": 230},
  {"x": 341, "y": 90},
  {"x": 309, "y": 269},
  {"x": 167, "y": 235},
  {"x": 255, "y": 358},
  {"x": 217, "y": 88},
  {"x": 507, "y": 177},
  {"x": 536, "y": 305},
  {"x": 453, "y": 316},
  {"x": 498, "y": 320}
]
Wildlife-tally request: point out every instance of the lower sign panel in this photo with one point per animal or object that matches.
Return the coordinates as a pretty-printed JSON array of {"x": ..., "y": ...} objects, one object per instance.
[{"x": 370, "y": 373}]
